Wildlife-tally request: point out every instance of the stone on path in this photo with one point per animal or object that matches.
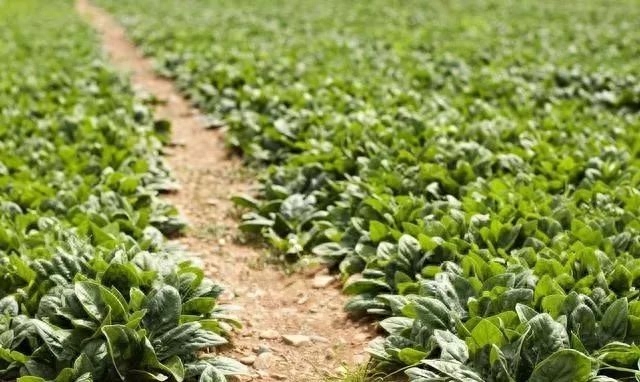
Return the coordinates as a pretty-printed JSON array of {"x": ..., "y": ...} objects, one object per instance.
[
  {"x": 269, "y": 334},
  {"x": 322, "y": 281},
  {"x": 264, "y": 361},
  {"x": 296, "y": 339},
  {"x": 319, "y": 339},
  {"x": 261, "y": 349},
  {"x": 248, "y": 359}
]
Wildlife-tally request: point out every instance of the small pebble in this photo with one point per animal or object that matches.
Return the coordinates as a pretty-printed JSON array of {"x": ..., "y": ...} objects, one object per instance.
[
  {"x": 264, "y": 361},
  {"x": 269, "y": 334},
  {"x": 322, "y": 281},
  {"x": 319, "y": 339},
  {"x": 248, "y": 360},
  {"x": 261, "y": 349},
  {"x": 361, "y": 337},
  {"x": 296, "y": 339}
]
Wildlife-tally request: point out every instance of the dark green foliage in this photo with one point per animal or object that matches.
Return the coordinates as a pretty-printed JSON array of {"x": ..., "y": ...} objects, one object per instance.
[{"x": 89, "y": 290}]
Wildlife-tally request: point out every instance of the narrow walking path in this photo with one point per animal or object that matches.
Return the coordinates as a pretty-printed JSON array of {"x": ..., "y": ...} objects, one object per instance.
[{"x": 272, "y": 303}]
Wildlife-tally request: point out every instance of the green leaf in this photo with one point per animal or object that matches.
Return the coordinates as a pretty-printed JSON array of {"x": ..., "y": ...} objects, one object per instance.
[
  {"x": 583, "y": 322},
  {"x": 396, "y": 325},
  {"x": 614, "y": 320},
  {"x": 451, "y": 347},
  {"x": 101, "y": 237},
  {"x": 227, "y": 366},
  {"x": 546, "y": 336},
  {"x": 486, "y": 333},
  {"x": 211, "y": 374},
  {"x": 453, "y": 370},
  {"x": 245, "y": 201},
  {"x": 553, "y": 304},
  {"x": 66, "y": 375},
  {"x": 135, "y": 319},
  {"x": 620, "y": 279},
  {"x": 565, "y": 365},
  {"x": 30, "y": 379},
  {"x": 525, "y": 313},
  {"x": 175, "y": 367},
  {"x": 9, "y": 306},
  {"x": 98, "y": 301},
  {"x": 136, "y": 298},
  {"x": 362, "y": 286},
  {"x": 577, "y": 344},
  {"x": 12, "y": 356},
  {"x": 124, "y": 347},
  {"x": 602, "y": 378},
  {"x": 497, "y": 359},
  {"x": 377, "y": 231},
  {"x": 586, "y": 234},
  {"x": 184, "y": 339},
  {"x": 97, "y": 352},
  {"x": 55, "y": 339},
  {"x": 121, "y": 276},
  {"x": 410, "y": 356},
  {"x": 432, "y": 313},
  {"x": 253, "y": 222},
  {"x": 146, "y": 376},
  {"x": 408, "y": 247},
  {"x": 199, "y": 305},
  {"x": 620, "y": 354},
  {"x": 330, "y": 251},
  {"x": 82, "y": 365},
  {"x": 164, "y": 307},
  {"x": 22, "y": 269}
]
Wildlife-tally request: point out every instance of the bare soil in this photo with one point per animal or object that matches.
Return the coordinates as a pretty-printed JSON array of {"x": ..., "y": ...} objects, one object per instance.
[{"x": 271, "y": 302}]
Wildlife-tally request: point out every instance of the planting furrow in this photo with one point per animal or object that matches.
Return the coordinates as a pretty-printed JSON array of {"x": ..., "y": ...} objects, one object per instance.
[{"x": 294, "y": 326}]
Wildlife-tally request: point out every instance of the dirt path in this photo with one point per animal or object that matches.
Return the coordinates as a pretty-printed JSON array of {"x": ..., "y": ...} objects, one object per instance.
[{"x": 272, "y": 303}]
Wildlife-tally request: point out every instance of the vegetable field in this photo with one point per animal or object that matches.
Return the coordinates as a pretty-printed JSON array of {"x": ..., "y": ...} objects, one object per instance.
[
  {"x": 89, "y": 290},
  {"x": 475, "y": 162},
  {"x": 471, "y": 169}
]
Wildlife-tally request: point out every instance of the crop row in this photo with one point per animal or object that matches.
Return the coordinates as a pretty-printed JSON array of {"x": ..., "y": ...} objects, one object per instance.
[
  {"x": 89, "y": 289},
  {"x": 476, "y": 163}
]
